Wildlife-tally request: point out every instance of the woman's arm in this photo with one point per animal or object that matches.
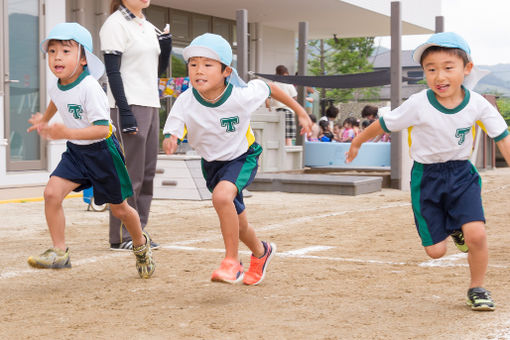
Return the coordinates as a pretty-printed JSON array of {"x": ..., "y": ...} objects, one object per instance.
[{"x": 127, "y": 120}]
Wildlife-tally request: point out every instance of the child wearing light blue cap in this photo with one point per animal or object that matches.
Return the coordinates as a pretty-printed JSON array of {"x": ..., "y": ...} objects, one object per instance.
[
  {"x": 215, "y": 114},
  {"x": 445, "y": 185},
  {"x": 93, "y": 156}
]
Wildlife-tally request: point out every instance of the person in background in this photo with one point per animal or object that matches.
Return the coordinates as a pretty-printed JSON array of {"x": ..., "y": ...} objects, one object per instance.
[
  {"x": 337, "y": 132},
  {"x": 370, "y": 112},
  {"x": 331, "y": 114},
  {"x": 314, "y": 137},
  {"x": 290, "y": 121},
  {"x": 325, "y": 134},
  {"x": 135, "y": 53},
  {"x": 348, "y": 133},
  {"x": 309, "y": 100}
]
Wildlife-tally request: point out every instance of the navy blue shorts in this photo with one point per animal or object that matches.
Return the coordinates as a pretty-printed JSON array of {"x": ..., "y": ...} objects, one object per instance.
[
  {"x": 100, "y": 165},
  {"x": 240, "y": 171},
  {"x": 445, "y": 196}
]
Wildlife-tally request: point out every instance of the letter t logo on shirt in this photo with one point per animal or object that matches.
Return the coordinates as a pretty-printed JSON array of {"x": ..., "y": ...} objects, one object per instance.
[
  {"x": 75, "y": 110},
  {"x": 230, "y": 123}
]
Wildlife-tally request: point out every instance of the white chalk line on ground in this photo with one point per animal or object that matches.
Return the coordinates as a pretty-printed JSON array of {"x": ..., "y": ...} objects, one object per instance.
[
  {"x": 181, "y": 245},
  {"x": 7, "y": 274},
  {"x": 301, "y": 253}
]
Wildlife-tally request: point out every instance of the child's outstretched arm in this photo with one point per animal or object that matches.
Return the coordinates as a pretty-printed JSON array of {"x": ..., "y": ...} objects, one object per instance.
[
  {"x": 38, "y": 120},
  {"x": 60, "y": 131},
  {"x": 304, "y": 119},
  {"x": 371, "y": 131},
  {"x": 504, "y": 147}
]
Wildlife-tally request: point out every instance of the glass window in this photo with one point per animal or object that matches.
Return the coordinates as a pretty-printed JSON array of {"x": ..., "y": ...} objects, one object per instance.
[
  {"x": 158, "y": 16},
  {"x": 201, "y": 25},
  {"x": 24, "y": 86},
  {"x": 179, "y": 25},
  {"x": 223, "y": 28},
  {"x": 415, "y": 74}
]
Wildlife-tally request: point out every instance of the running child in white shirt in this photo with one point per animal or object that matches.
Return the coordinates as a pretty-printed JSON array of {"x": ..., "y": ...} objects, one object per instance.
[
  {"x": 215, "y": 114},
  {"x": 93, "y": 155},
  {"x": 445, "y": 186}
]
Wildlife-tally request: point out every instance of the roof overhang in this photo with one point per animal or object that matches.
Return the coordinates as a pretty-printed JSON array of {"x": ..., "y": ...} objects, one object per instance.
[{"x": 345, "y": 18}]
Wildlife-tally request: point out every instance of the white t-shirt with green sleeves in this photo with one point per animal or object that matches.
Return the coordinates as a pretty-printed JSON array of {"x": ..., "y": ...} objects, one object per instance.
[
  {"x": 219, "y": 131},
  {"x": 81, "y": 104},
  {"x": 439, "y": 134}
]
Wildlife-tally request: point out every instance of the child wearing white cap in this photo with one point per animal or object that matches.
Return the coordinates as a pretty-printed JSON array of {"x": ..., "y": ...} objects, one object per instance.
[
  {"x": 215, "y": 115},
  {"x": 445, "y": 186},
  {"x": 93, "y": 156}
]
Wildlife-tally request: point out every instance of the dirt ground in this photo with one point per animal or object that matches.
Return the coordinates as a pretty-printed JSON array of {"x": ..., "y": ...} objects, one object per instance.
[{"x": 346, "y": 268}]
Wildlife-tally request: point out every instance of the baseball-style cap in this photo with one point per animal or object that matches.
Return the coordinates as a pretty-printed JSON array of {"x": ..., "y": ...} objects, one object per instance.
[
  {"x": 215, "y": 47},
  {"x": 78, "y": 33},
  {"x": 452, "y": 40}
]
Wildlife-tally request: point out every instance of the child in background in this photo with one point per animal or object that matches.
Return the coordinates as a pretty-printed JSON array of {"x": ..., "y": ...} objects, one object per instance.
[
  {"x": 337, "y": 132},
  {"x": 314, "y": 136},
  {"x": 215, "y": 115},
  {"x": 445, "y": 186},
  {"x": 325, "y": 135},
  {"x": 348, "y": 134},
  {"x": 355, "y": 126},
  {"x": 93, "y": 155}
]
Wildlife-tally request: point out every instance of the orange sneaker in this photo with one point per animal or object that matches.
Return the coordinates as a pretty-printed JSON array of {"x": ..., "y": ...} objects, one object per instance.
[
  {"x": 258, "y": 266},
  {"x": 230, "y": 271}
]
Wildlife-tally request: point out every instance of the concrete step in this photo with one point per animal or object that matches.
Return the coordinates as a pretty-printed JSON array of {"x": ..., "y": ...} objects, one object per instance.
[{"x": 316, "y": 183}]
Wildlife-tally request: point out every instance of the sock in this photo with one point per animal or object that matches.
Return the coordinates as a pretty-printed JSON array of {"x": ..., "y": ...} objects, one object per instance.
[{"x": 265, "y": 250}]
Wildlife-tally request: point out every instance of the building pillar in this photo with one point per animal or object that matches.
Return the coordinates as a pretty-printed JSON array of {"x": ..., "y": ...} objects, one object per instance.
[
  {"x": 302, "y": 66},
  {"x": 439, "y": 24},
  {"x": 242, "y": 43},
  {"x": 396, "y": 88}
]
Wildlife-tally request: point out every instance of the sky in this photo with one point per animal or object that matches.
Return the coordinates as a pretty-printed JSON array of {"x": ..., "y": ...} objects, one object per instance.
[{"x": 484, "y": 24}]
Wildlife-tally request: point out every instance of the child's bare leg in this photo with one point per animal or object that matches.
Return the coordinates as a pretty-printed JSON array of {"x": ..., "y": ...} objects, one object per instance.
[
  {"x": 129, "y": 217},
  {"x": 223, "y": 202},
  {"x": 247, "y": 236},
  {"x": 437, "y": 250},
  {"x": 478, "y": 257},
  {"x": 54, "y": 193}
]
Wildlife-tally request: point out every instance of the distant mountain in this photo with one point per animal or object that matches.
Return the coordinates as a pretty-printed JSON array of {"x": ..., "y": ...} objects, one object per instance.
[{"x": 498, "y": 81}]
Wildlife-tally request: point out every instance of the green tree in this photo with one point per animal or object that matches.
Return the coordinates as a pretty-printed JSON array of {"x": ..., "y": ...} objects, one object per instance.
[
  {"x": 504, "y": 108},
  {"x": 342, "y": 56}
]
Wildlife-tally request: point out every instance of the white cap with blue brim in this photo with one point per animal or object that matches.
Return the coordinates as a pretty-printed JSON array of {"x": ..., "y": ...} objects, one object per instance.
[
  {"x": 78, "y": 33},
  {"x": 452, "y": 40},
  {"x": 214, "y": 47}
]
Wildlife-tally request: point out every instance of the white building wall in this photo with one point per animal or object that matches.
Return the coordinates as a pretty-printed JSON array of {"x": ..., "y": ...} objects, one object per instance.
[{"x": 278, "y": 48}]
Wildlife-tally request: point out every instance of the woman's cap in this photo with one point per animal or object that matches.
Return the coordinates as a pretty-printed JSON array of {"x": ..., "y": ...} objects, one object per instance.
[
  {"x": 214, "y": 47},
  {"x": 78, "y": 33},
  {"x": 452, "y": 40}
]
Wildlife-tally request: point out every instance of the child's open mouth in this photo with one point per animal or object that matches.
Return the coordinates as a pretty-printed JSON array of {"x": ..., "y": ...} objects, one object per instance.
[{"x": 442, "y": 87}]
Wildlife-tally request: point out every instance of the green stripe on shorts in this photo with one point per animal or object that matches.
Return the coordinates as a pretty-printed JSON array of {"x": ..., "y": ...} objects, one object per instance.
[
  {"x": 248, "y": 166},
  {"x": 423, "y": 230},
  {"x": 125, "y": 182}
]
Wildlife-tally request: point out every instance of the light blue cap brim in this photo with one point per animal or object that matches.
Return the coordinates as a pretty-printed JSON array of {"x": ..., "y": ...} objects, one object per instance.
[
  {"x": 214, "y": 47},
  {"x": 78, "y": 33},
  {"x": 452, "y": 40}
]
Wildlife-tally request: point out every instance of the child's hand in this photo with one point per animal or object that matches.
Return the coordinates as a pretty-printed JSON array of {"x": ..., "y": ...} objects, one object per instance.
[
  {"x": 35, "y": 120},
  {"x": 170, "y": 145},
  {"x": 352, "y": 153},
  {"x": 54, "y": 131},
  {"x": 306, "y": 125}
]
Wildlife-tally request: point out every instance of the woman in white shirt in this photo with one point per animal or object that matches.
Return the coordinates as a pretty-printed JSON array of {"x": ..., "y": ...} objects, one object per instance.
[{"x": 135, "y": 54}]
